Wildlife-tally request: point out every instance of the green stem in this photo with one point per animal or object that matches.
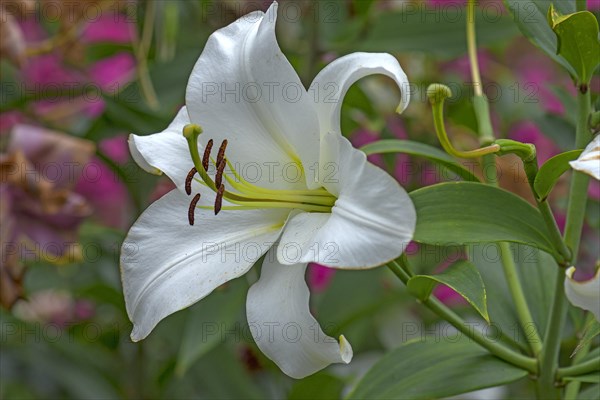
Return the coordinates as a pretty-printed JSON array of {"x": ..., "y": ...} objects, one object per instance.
[
  {"x": 581, "y": 5},
  {"x": 511, "y": 275},
  {"x": 531, "y": 170},
  {"x": 549, "y": 356},
  {"x": 487, "y": 135},
  {"x": 516, "y": 291},
  {"x": 575, "y": 216},
  {"x": 554, "y": 231},
  {"x": 451, "y": 317},
  {"x": 580, "y": 181},
  {"x": 583, "y": 368},
  {"x": 472, "y": 49},
  {"x": 141, "y": 48}
]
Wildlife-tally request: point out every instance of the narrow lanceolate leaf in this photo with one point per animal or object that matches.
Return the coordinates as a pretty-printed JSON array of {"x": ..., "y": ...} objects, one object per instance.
[
  {"x": 433, "y": 369},
  {"x": 530, "y": 17},
  {"x": 431, "y": 153},
  {"x": 591, "y": 331},
  {"x": 467, "y": 212},
  {"x": 463, "y": 277},
  {"x": 577, "y": 42},
  {"x": 552, "y": 170}
]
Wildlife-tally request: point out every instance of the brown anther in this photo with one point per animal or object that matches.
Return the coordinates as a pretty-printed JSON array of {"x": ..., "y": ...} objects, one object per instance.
[
  {"x": 219, "y": 175},
  {"x": 192, "y": 209},
  {"x": 188, "y": 180},
  {"x": 219, "y": 199},
  {"x": 206, "y": 158},
  {"x": 221, "y": 154}
]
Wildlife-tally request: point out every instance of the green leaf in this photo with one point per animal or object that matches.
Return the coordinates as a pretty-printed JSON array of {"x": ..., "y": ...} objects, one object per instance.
[
  {"x": 315, "y": 387},
  {"x": 463, "y": 277},
  {"x": 591, "y": 331},
  {"x": 530, "y": 17},
  {"x": 431, "y": 153},
  {"x": 551, "y": 171},
  {"x": 590, "y": 393},
  {"x": 208, "y": 322},
  {"x": 468, "y": 212},
  {"x": 532, "y": 266},
  {"x": 590, "y": 378},
  {"x": 434, "y": 368},
  {"x": 577, "y": 42},
  {"x": 417, "y": 29}
]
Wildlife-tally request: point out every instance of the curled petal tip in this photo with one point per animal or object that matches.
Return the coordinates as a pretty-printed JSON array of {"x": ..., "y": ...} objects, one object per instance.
[
  {"x": 401, "y": 107},
  {"x": 437, "y": 93},
  {"x": 139, "y": 158},
  {"x": 346, "y": 352}
]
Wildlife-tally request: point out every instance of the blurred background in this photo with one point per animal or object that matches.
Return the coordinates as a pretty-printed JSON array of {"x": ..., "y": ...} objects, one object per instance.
[{"x": 77, "y": 76}]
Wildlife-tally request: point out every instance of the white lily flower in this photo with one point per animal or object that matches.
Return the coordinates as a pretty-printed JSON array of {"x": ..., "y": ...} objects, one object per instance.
[
  {"x": 585, "y": 294},
  {"x": 315, "y": 195},
  {"x": 589, "y": 161}
]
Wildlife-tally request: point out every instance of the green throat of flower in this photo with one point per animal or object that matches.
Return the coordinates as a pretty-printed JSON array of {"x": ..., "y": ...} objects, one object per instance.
[{"x": 245, "y": 195}]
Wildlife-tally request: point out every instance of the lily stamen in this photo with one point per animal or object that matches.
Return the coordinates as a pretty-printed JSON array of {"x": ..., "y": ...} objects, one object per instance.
[
  {"x": 206, "y": 158},
  {"x": 219, "y": 174},
  {"x": 188, "y": 180},
  {"x": 193, "y": 208},
  {"x": 219, "y": 199},
  {"x": 248, "y": 195},
  {"x": 221, "y": 154}
]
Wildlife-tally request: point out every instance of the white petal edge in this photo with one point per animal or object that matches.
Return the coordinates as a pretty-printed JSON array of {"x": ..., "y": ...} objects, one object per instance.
[
  {"x": 166, "y": 151},
  {"x": 371, "y": 223},
  {"x": 585, "y": 294},
  {"x": 589, "y": 161},
  {"x": 168, "y": 265},
  {"x": 244, "y": 89},
  {"x": 282, "y": 325},
  {"x": 333, "y": 82}
]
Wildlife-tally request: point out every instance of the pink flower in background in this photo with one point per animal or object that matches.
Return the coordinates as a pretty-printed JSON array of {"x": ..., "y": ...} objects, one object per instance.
[
  {"x": 8, "y": 120},
  {"x": 537, "y": 77},
  {"x": 54, "y": 71},
  {"x": 40, "y": 211},
  {"x": 104, "y": 189},
  {"x": 438, "y": 3},
  {"x": 462, "y": 65},
  {"x": 319, "y": 277},
  {"x": 362, "y": 137},
  {"x": 54, "y": 307},
  {"x": 113, "y": 28}
]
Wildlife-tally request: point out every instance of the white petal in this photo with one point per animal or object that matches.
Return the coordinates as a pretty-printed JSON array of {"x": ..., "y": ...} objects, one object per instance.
[
  {"x": 243, "y": 89},
  {"x": 335, "y": 79},
  {"x": 371, "y": 223},
  {"x": 586, "y": 294},
  {"x": 168, "y": 265},
  {"x": 282, "y": 326},
  {"x": 166, "y": 151},
  {"x": 589, "y": 161}
]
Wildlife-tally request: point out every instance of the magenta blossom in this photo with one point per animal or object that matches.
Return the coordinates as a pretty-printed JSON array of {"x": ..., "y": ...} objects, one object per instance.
[{"x": 40, "y": 211}]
